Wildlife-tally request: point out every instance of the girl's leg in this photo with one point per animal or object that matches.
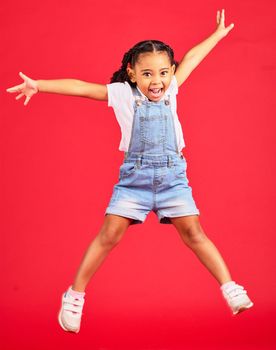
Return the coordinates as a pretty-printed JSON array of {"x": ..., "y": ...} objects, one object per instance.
[
  {"x": 194, "y": 237},
  {"x": 110, "y": 234}
]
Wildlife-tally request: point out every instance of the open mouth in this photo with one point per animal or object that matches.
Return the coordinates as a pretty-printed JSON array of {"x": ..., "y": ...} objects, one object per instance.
[{"x": 156, "y": 92}]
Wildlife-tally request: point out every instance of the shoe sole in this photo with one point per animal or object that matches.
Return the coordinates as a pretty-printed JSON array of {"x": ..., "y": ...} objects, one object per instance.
[{"x": 243, "y": 308}]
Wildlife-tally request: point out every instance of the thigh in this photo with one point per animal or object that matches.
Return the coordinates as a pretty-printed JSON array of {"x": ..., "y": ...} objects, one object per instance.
[
  {"x": 116, "y": 223},
  {"x": 185, "y": 224},
  {"x": 113, "y": 229}
]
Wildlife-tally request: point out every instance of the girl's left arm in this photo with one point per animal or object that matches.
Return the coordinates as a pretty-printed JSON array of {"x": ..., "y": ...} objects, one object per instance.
[{"x": 194, "y": 56}]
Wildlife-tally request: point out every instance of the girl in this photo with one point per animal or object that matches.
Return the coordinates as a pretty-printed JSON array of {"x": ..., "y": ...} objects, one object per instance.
[{"x": 153, "y": 174}]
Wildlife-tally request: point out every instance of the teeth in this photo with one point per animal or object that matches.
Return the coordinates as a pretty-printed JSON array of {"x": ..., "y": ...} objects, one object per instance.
[{"x": 155, "y": 90}]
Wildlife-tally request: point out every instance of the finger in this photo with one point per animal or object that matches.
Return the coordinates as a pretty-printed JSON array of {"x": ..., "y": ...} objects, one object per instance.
[
  {"x": 16, "y": 88},
  {"x": 222, "y": 17},
  {"x": 12, "y": 89},
  {"x": 19, "y": 96},
  {"x": 27, "y": 100},
  {"x": 218, "y": 15},
  {"x": 231, "y": 26},
  {"x": 23, "y": 76}
]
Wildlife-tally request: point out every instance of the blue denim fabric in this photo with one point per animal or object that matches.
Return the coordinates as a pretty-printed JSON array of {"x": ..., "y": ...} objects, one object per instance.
[{"x": 153, "y": 174}]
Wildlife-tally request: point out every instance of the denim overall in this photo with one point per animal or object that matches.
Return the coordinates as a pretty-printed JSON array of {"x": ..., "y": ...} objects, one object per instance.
[{"x": 153, "y": 173}]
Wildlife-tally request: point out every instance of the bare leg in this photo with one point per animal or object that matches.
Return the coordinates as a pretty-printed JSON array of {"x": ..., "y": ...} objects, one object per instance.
[
  {"x": 194, "y": 237},
  {"x": 109, "y": 236}
]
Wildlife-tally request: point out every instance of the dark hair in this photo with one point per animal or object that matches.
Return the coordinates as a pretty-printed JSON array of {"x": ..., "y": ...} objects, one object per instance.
[{"x": 131, "y": 56}]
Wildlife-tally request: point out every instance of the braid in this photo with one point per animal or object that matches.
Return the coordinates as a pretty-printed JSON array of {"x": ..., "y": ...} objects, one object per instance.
[
  {"x": 171, "y": 55},
  {"x": 121, "y": 75},
  {"x": 131, "y": 56}
]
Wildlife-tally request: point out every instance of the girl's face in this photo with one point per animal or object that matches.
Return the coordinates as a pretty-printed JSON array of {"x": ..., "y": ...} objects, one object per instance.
[{"x": 152, "y": 73}]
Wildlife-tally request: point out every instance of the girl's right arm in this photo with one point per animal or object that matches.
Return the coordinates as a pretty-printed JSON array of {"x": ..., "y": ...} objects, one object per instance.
[{"x": 71, "y": 87}]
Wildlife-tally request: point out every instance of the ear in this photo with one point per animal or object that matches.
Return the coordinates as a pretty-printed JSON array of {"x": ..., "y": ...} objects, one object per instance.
[
  {"x": 131, "y": 74},
  {"x": 173, "y": 68}
]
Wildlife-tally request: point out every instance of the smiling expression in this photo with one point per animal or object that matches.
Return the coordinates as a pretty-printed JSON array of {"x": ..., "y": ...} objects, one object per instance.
[{"x": 152, "y": 73}]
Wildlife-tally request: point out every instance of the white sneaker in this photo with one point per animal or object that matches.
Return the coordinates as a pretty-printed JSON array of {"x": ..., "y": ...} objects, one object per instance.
[
  {"x": 236, "y": 297},
  {"x": 70, "y": 313}
]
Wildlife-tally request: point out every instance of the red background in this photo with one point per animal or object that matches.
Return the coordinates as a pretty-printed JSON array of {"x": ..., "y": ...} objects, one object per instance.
[{"x": 60, "y": 160}]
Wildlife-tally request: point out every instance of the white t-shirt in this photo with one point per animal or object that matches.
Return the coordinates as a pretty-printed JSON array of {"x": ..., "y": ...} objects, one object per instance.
[{"x": 121, "y": 99}]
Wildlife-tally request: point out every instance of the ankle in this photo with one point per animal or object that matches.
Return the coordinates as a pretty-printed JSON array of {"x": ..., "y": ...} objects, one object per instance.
[
  {"x": 227, "y": 284},
  {"x": 76, "y": 293}
]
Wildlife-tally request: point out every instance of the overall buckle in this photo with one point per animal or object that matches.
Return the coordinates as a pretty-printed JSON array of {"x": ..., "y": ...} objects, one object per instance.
[{"x": 139, "y": 161}]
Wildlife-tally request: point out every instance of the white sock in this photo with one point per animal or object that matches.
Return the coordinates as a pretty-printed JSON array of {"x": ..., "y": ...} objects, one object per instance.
[
  {"x": 227, "y": 284},
  {"x": 75, "y": 294}
]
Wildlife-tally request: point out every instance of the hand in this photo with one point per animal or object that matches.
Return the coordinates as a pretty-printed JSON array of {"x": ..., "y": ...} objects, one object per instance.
[
  {"x": 28, "y": 88},
  {"x": 221, "y": 31}
]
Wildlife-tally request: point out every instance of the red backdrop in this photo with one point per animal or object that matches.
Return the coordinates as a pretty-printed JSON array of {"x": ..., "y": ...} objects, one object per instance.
[{"x": 60, "y": 160}]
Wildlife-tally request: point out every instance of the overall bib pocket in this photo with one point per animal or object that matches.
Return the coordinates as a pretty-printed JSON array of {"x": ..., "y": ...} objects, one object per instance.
[{"x": 153, "y": 129}]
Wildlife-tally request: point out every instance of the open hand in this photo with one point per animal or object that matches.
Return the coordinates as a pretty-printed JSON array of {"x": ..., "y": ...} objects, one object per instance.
[
  {"x": 221, "y": 30},
  {"x": 28, "y": 88}
]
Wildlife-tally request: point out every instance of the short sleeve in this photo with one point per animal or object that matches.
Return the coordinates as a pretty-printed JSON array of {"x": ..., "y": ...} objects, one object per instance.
[
  {"x": 118, "y": 93},
  {"x": 174, "y": 85}
]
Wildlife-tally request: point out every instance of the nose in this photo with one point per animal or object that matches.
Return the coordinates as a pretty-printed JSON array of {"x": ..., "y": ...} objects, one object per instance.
[{"x": 156, "y": 80}]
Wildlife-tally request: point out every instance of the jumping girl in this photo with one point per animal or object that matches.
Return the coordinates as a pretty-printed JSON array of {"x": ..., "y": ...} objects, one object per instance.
[{"x": 153, "y": 174}]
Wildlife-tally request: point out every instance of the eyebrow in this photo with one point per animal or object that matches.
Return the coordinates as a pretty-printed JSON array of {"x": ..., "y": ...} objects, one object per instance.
[{"x": 143, "y": 70}]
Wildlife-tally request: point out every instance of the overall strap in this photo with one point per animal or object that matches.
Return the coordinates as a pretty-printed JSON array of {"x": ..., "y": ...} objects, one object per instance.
[{"x": 137, "y": 96}]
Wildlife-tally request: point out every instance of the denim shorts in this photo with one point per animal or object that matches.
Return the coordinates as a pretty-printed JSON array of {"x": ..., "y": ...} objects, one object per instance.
[{"x": 153, "y": 182}]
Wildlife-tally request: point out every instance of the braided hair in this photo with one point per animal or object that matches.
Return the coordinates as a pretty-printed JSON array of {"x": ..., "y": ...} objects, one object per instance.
[{"x": 131, "y": 56}]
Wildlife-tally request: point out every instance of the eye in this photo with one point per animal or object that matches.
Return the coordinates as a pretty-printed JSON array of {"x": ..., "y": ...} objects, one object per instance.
[
  {"x": 146, "y": 74},
  {"x": 164, "y": 73}
]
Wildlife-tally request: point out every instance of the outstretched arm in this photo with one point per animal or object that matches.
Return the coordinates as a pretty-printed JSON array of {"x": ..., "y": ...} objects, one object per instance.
[
  {"x": 194, "y": 56},
  {"x": 71, "y": 87}
]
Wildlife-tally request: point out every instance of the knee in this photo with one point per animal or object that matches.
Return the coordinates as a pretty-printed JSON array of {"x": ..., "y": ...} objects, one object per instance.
[
  {"x": 193, "y": 235},
  {"x": 110, "y": 236}
]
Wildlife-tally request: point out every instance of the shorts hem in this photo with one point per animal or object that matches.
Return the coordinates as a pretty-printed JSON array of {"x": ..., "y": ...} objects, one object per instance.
[
  {"x": 115, "y": 211},
  {"x": 165, "y": 219}
]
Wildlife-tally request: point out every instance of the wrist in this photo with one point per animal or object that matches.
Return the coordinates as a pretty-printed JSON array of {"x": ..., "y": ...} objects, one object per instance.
[
  {"x": 38, "y": 85},
  {"x": 217, "y": 36}
]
